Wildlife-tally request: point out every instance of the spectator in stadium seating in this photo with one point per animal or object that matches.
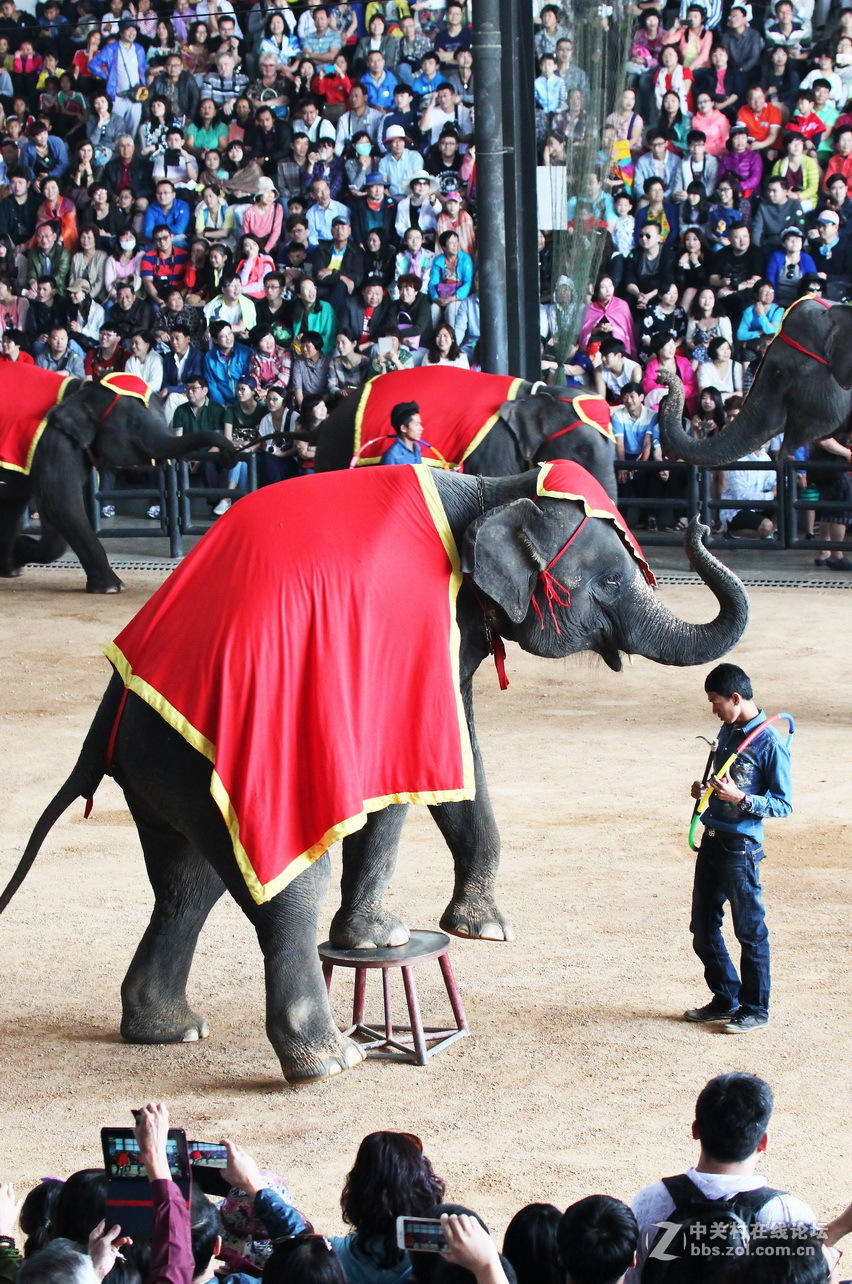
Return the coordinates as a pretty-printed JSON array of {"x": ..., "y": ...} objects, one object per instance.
[
  {"x": 657, "y": 210},
  {"x": 744, "y": 45},
  {"x": 444, "y": 351},
  {"x": 58, "y": 355},
  {"x": 225, "y": 363},
  {"x": 400, "y": 161},
  {"x": 338, "y": 266},
  {"x": 787, "y": 267},
  {"x": 145, "y": 361},
  {"x": 833, "y": 256},
  {"x": 13, "y": 349},
  {"x": 85, "y": 316},
  {"x": 310, "y": 368},
  {"x": 322, "y": 212},
  {"x": 233, "y": 306},
  {"x": 614, "y": 370},
  {"x": 178, "y": 87},
  {"x": 665, "y": 357},
  {"x": 664, "y": 316},
  {"x": 367, "y": 313},
  {"x": 800, "y": 171},
  {"x": 841, "y": 161},
  {"x": 609, "y": 315},
  {"x": 107, "y": 357},
  {"x": 47, "y": 309},
  {"x": 373, "y": 211},
  {"x": 313, "y": 314},
  {"x": 167, "y": 210},
  {"x": 762, "y": 318},
  {"x": 163, "y": 266},
  {"x": 180, "y": 363},
  {"x": 48, "y": 258},
  {"x": 658, "y": 162},
  {"x": 777, "y": 211},
  {"x": 647, "y": 267},
  {"x": 732, "y": 1116}
]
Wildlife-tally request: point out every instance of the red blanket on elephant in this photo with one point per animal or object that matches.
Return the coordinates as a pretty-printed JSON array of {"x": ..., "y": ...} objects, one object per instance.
[
  {"x": 261, "y": 649},
  {"x": 458, "y": 409},
  {"x": 27, "y": 393}
]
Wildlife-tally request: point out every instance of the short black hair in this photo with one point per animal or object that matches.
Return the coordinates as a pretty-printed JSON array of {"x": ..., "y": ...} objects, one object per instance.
[
  {"x": 733, "y": 1110},
  {"x": 530, "y": 1245},
  {"x": 725, "y": 679},
  {"x": 765, "y": 1261},
  {"x": 633, "y": 387},
  {"x": 205, "y": 1228},
  {"x": 597, "y": 1239},
  {"x": 695, "y": 135},
  {"x": 609, "y": 346}
]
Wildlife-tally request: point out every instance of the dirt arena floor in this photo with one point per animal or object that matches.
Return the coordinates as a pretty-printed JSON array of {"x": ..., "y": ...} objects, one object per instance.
[{"x": 578, "y": 1076}]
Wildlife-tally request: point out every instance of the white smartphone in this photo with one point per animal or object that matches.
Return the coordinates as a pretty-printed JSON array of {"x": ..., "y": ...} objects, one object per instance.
[
  {"x": 420, "y": 1235},
  {"x": 385, "y": 345}
]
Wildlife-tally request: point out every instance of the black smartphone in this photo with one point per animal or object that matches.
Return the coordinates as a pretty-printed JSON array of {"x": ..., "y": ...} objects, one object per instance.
[
  {"x": 207, "y": 1159},
  {"x": 128, "y": 1198},
  {"x": 172, "y": 157}
]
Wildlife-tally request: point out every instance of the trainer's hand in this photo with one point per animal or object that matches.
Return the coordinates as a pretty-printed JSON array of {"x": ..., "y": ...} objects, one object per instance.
[
  {"x": 697, "y": 790},
  {"x": 726, "y": 790}
]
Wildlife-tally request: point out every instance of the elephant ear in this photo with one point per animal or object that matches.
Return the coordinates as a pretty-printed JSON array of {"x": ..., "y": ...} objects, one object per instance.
[
  {"x": 73, "y": 418},
  {"x": 503, "y": 553},
  {"x": 839, "y": 344}
]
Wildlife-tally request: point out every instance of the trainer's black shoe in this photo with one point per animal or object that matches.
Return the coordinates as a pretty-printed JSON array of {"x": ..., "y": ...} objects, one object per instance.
[
  {"x": 744, "y": 1022},
  {"x": 710, "y": 1012}
]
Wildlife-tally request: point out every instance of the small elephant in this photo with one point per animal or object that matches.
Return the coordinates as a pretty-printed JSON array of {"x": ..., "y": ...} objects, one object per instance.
[
  {"x": 47, "y": 452},
  {"x": 493, "y": 425},
  {"x": 803, "y": 389},
  {"x": 294, "y": 586}
]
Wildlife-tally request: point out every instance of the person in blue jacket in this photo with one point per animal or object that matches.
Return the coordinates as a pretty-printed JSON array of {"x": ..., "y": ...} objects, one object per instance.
[
  {"x": 225, "y": 363},
  {"x": 408, "y": 426},
  {"x": 727, "y": 867},
  {"x": 123, "y": 65}
]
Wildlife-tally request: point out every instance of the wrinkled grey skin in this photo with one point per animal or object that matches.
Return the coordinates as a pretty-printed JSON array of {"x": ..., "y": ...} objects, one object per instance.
[
  {"x": 187, "y": 848},
  {"x": 130, "y": 437},
  {"x": 793, "y": 393},
  {"x": 517, "y": 440}
]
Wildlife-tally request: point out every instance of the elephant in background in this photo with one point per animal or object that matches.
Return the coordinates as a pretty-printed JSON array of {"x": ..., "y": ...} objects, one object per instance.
[
  {"x": 530, "y": 429},
  {"x": 91, "y": 425},
  {"x": 511, "y": 539},
  {"x": 802, "y": 389}
]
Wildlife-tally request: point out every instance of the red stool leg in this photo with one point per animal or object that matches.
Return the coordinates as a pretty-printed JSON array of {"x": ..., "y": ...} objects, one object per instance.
[
  {"x": 414, "y": 1015},
  {"x": 359, "y": 997},
  {"x": 453, "y": 991},
  {"x": 327, "y": 970},
  {"x": 386, "y": 990}
]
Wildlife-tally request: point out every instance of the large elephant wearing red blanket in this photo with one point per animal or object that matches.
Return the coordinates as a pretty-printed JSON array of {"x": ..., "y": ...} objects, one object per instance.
[
  {"x": 493, "y": 425},
  {"x": 52, "y": 429},
  {"x": 240, "y": 772}
]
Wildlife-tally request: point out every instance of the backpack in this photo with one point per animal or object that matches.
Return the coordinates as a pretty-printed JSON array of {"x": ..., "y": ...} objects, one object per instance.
[{"x": 701, "y": 1238}]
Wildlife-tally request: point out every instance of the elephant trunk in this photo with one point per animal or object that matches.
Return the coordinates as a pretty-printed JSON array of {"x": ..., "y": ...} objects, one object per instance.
[
  {"x": 747, "y": 432},
  {"x": 651, "y": 630}
]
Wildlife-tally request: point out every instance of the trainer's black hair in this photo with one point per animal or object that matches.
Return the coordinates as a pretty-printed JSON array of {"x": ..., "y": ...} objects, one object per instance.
[
  {"x": 596, "y": 1240},
  {"x": 725, "y": 679},
  {"x": 530, "y": 1245},
  {"x": 733, "y": 1110}
]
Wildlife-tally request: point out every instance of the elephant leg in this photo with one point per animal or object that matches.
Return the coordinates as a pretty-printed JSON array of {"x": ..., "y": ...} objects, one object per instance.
[
  {"x": 471, "y": 834},
  {"x": 369, "y": 858},
  {"x": 299, "y": 1024},
  {"x": 153, "y": 995},
  {"x": 62, "y": 510},
  {"x": 11, "y": 516},
  {"x": 39, "y": 550}
]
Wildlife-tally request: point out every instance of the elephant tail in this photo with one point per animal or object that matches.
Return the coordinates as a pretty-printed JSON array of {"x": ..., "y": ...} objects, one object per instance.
[{"x": 87, "y": 774}]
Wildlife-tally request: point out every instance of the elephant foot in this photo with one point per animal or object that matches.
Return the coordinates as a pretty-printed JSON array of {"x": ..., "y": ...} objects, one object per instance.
[
  {"x": 11, "y": 572},
  {"x": 476, "y": 917},
  {"x": 178, "y": 1027},
  {"x": 114, "y": 585},
  {"x": 367, "y": 931},
  {"x": 323, "y": 1065}
]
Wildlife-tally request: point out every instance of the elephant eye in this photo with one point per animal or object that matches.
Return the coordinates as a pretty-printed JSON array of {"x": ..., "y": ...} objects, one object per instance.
[{"x": 613, "y": 579}]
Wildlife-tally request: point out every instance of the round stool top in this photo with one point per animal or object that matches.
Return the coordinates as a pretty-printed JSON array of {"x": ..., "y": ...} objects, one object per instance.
[{"x": 420, "y": 946}]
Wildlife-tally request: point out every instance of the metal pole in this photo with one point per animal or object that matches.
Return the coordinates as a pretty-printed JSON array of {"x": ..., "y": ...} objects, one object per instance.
[{"x": 490, "y": 186}]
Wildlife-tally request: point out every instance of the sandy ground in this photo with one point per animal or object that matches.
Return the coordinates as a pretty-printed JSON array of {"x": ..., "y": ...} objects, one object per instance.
[{"x": 578, "y": 1077}]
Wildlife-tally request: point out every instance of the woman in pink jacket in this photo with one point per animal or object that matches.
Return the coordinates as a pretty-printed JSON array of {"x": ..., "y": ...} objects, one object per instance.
[
  {"x": 611, "y": 314},
  {"x": 252, "y": 266},
  {"x": 713, "y": 123}
]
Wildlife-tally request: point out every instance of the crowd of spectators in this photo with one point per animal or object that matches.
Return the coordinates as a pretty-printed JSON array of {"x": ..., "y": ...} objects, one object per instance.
[
  {"x": 721, "y": 198},
  {"x": 253, "y": 209},
  {"x": 254, "y": 1229}
]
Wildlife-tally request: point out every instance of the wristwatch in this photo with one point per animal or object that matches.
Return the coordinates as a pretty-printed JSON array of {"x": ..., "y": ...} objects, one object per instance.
[
  {"x": 7, "y": 1241},
  {"x": 745, "y": 803}
]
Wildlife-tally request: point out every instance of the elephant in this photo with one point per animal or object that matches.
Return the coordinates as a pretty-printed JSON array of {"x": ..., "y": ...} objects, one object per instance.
[
  {"x": 92, "y": 423},
  {"x": 547, "y": 568},
  {"x": 803, "y": 388},
  {"x": 534, "y": 422}
]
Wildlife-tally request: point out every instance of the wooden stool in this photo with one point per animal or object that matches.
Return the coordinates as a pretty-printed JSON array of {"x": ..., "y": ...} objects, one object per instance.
[{"x": 403, "y": 1042}]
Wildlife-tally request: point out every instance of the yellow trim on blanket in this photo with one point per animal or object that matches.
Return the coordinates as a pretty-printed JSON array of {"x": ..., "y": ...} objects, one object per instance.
[
  {"x": 27, "y": 467},
  {"x": 359, "y": 414},
  {"x": 263, "y": 892},
  {"x": 606, "y": 432},
  {"x": 615, "y": 518},
  {"x": 511, "y": 395}
]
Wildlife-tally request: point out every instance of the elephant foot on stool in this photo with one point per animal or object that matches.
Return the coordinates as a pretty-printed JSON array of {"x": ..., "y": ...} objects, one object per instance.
[
  {"x": 163, "y": 1027},
  {"x": 323, "y": 1065},
  {"x": 362, "y": 930},
  {"x": 476, "y": 917}
]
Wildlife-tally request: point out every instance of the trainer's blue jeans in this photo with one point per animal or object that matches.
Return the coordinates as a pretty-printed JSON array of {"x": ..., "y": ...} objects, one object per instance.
[{"x": 727, "y": 868}]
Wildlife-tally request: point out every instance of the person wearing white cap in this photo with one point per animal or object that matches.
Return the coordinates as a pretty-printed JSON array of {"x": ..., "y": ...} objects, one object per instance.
[
  {"x": 399, "y": 162},
  {"x": 833, "y": 256},
  {"x": 265, "y": 217},
  {"x": 421, "y": 207}
]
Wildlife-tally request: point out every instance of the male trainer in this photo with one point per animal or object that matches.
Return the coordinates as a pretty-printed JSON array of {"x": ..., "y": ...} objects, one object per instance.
[
  {"x": 727, "y": 867},
  {"x": 406, "y": 423}
]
